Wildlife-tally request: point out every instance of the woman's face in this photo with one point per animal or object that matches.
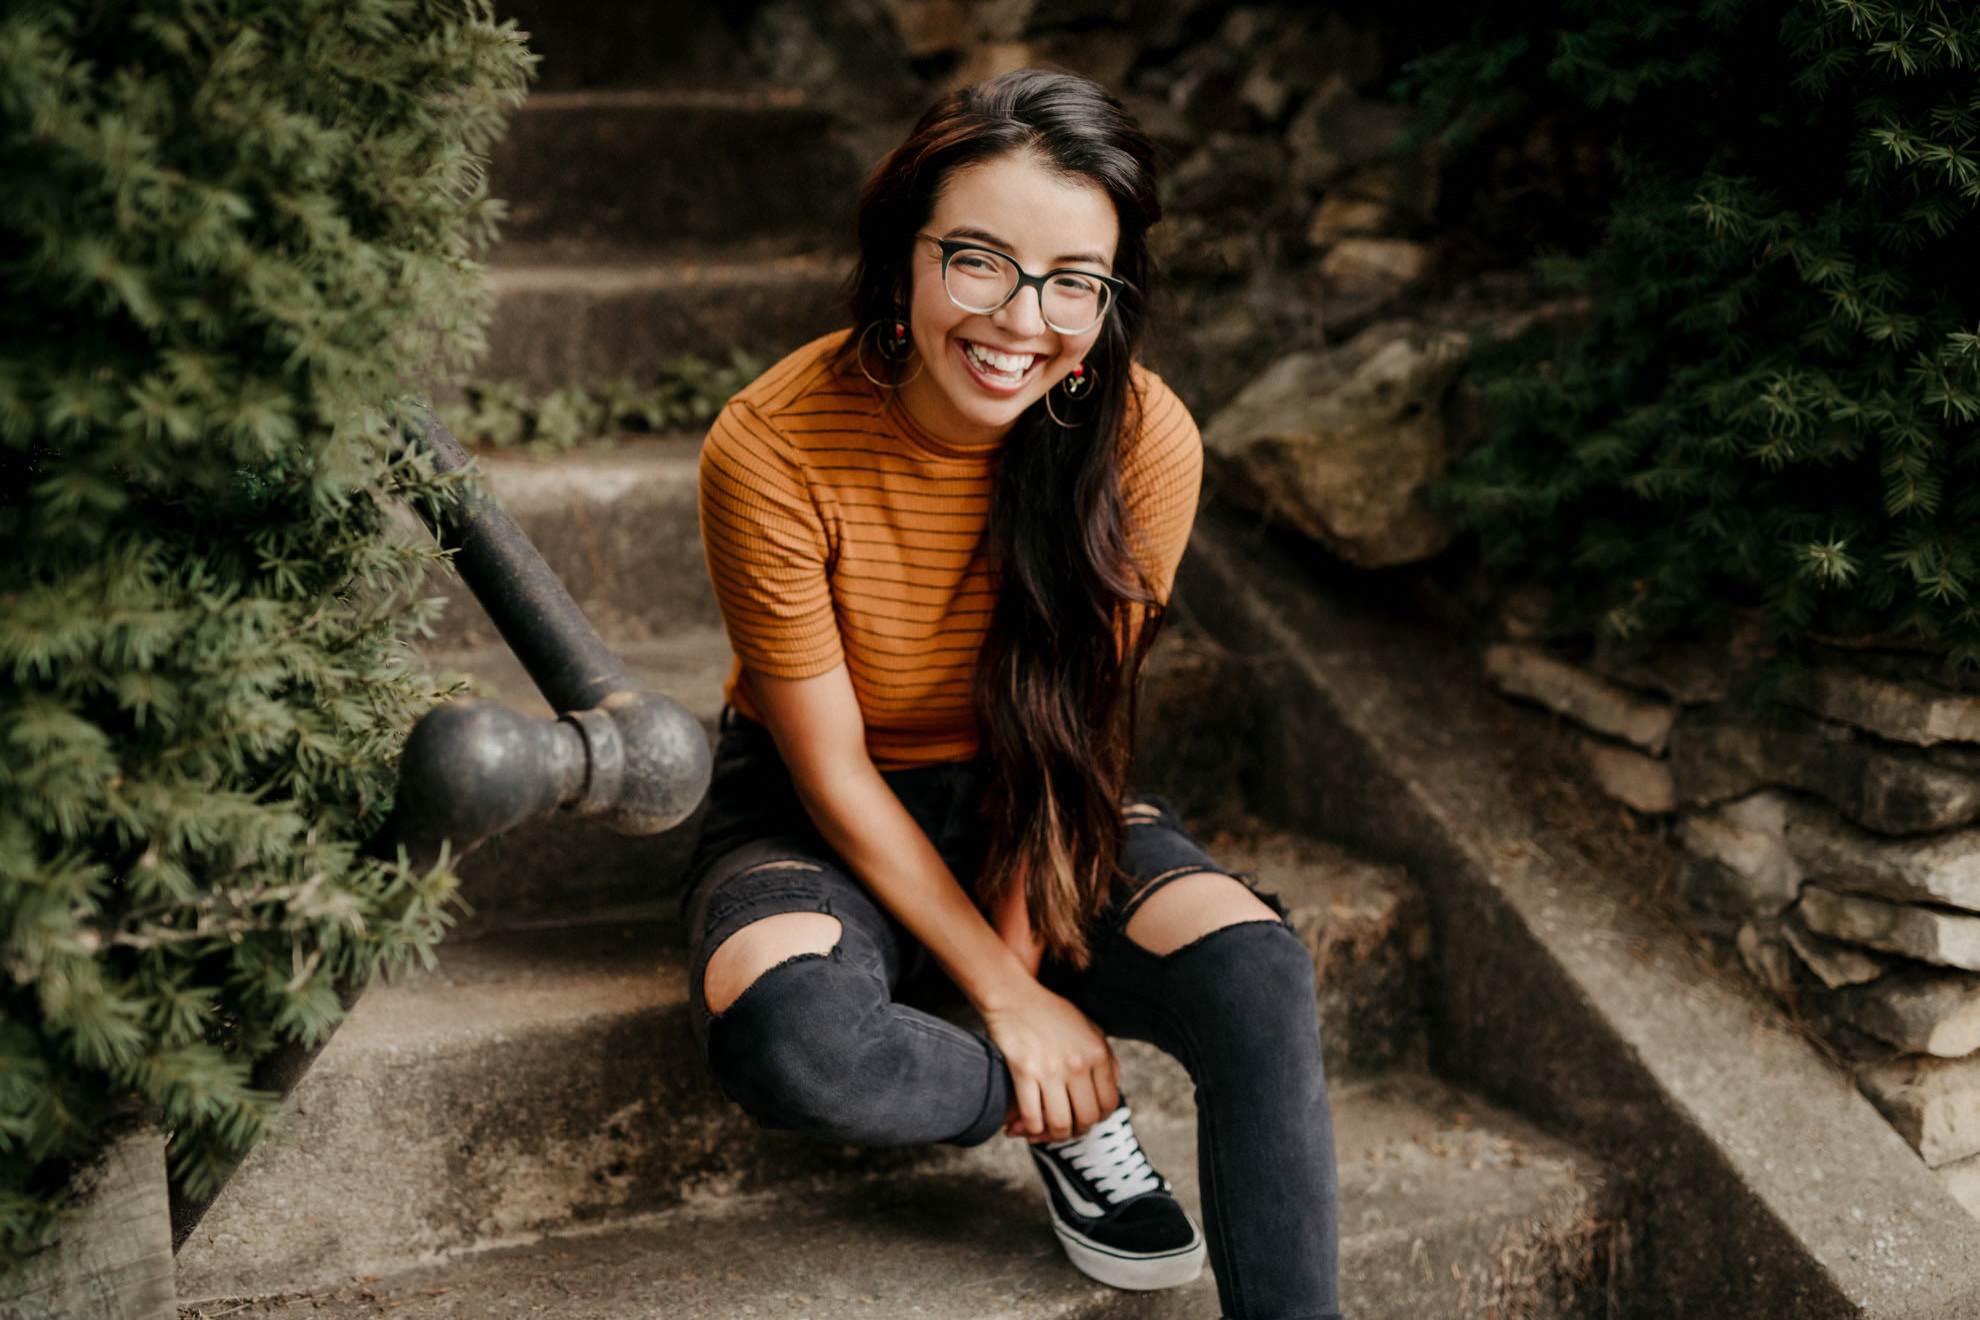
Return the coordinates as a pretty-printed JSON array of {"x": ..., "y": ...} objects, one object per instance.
[{"x": 1046, "y": 220}]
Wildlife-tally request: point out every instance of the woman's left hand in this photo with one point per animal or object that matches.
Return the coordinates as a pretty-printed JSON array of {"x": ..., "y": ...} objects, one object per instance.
[{"x": 1012, "y": 920}]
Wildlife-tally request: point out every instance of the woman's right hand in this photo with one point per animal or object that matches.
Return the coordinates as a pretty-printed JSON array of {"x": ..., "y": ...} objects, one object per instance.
[{"x": 1063, "y": 1072}]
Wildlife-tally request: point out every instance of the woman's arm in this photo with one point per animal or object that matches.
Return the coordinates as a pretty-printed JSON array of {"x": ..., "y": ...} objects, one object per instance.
[
  {"x": 1012, "y": 920},
  {"x": 822, "y": 739},
  {"x": 1063, "y": 1069}
]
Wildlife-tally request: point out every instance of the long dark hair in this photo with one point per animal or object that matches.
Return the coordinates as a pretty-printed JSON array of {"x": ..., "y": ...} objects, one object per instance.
[{"x": 1055, "y": 680}]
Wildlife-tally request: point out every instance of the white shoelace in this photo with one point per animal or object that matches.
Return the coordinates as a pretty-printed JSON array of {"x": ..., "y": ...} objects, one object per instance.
[{"x": 1111, "y": 1158}]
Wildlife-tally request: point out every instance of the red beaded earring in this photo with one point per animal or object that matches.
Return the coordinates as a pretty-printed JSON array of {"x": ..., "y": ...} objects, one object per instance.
[
  {"x": 1077, "y": 384},
  {"x": 896, "y": 347}
]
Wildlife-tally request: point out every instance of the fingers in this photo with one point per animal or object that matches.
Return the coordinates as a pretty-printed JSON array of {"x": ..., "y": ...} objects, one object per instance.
[
  {"x": 1058, "y": 1113},
  {"x": 1108, "y": 1084},
  {"x": 1072, "y": 1106},
  {"x": 1085, "y": 1099},
  {"x": 1031, "y": 1110}
]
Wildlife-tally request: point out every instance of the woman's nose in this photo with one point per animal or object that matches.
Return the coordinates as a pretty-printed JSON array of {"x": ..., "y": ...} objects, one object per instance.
[{"x": 1023, "y": 316}]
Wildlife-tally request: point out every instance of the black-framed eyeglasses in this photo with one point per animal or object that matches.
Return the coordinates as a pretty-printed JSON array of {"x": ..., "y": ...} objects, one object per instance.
[{"x": 980, "y": 279}]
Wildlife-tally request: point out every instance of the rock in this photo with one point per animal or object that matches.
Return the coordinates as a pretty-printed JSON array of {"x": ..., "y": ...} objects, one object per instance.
[
  {"x": 1836, "y": 964},
  {"x": 846, "y": 58},
  {"x": 1211, "y": 348},
  {"x": 1244, "y": 26},
  {"x": 1163, "y": 124},
  {"x": 1897, "y": 792},
  {"x": 1962, "y": 1179},
  {"x": 1193, "y": 246},
  {"x": 1905, "y": 711},
  {"x": 1162, "y": 23},
  {"x": 1641, "y": 783},
  {"x": 1359, "y": 278},
  {"x": 1747, "y": 840},
  {"x": 1335, "y": 132},
  {"x": 1767, "y": 958},
  {"x": 1001, "y": 20},
  {"x": 1340, "y": 443},
  {"x": 1341, "y": 215},
  {"x": 932, "y": 27},
  {"x": 1690, "y": 674},
  {"x": 1917, "y": 932},
  {"x": 1933, "y": 1103},
  {"x": 1207, "y": 96},
  {"x": 1265, "y": 93},
  {"x": 987, "y": 59},
  {"x": 1103, "y": 54},
  {"x": 1528, "y": 671},
  {"x": 1372, "y": 270},
  {"x": 1075, "y": 13},
  {"x": 1920, "y": 1010},
  {"x": 1525, "y": 610},
  {"x": 1711, "y": 889},
  {"x": 1409, "y": 185},
  {"x": 1229, "y": 173},
  {"x": 1941, "y": 868},
  {"x": 1303, "y": 57}
]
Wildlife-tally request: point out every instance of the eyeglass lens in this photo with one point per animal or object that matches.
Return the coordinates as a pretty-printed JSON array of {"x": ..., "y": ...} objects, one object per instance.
[{"x": 981, "y": 281}]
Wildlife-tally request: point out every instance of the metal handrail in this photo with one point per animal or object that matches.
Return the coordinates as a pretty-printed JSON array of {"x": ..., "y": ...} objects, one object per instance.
[{"x": 638, "y": 762}]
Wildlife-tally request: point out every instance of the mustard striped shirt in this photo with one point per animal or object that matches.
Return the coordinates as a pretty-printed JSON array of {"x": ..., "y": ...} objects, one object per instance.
[{"x": 836, "y": 529}]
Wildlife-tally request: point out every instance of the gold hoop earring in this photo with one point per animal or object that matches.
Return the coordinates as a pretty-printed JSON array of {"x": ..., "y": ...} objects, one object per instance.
[
  {"x": 1077, "y": 385},
  {"x": 906, "y": 351}
]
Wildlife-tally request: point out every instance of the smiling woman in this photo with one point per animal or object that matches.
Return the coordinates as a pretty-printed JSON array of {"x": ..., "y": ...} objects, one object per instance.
[
  {"x": 942, "y": 540},
  {"x": 1037, "y": 211}
]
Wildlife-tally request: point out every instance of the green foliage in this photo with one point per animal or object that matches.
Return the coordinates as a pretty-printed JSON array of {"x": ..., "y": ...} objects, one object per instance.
[
  {"x": 686, "y": 394},
  {"x": 234, "y": 232},
  {"x": 1775, "y": 405}
]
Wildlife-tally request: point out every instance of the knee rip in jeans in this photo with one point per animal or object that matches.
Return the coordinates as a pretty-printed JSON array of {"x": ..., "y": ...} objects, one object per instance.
[
  {"x": 1265, "y": 907},
  {"x": 755, "y": 964}
]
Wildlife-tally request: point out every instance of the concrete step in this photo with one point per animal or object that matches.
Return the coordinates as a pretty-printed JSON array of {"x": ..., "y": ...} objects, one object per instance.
[
  {"x": 628, "y": 312},
  {"x": 636, "y": 45},
  {"x": 654, "y": 165},
  {"x": 619, "y": 529},
  {"x": 548, "y": 1077},
  {"x": 1449, "y": 1207}
]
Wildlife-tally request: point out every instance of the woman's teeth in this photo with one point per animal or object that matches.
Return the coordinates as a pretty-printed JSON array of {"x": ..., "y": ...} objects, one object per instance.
[{"x": 1007, "y": 366}]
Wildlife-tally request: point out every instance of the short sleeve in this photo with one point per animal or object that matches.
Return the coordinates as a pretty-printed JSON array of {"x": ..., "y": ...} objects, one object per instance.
[
  {"x": 1161, "y": 479},
  {"x": 766, "y": 548}
]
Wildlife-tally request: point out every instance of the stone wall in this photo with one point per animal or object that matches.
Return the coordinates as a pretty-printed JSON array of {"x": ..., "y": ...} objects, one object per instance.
[
  {"x": 1297, "y": 211},
  {"x": 1829, "y": 836}
]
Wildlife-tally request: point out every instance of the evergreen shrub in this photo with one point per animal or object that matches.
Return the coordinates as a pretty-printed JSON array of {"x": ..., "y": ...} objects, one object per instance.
[
  {"x": 1773, "y": 410},
  {"x": 233, "y": 234}
]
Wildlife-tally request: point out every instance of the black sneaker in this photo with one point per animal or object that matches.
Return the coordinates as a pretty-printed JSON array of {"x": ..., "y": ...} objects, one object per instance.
[{"x": 1116, "y": 1217}]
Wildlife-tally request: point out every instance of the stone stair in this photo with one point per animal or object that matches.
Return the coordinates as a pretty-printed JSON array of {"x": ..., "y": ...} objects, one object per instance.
[
  {"x": 534, "y": 1117},
  {"x": 660, "y": 205},
  {"x": 528, "y": 1129},
  {"x": 1455, "y": 1210}
]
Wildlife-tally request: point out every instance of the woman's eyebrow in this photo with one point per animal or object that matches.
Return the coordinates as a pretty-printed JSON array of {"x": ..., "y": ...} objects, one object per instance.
[{"x": 985, "y": 236}]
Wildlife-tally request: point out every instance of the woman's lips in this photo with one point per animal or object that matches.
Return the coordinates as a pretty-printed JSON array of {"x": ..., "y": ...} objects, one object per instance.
[{"x": 987, "y": 384}]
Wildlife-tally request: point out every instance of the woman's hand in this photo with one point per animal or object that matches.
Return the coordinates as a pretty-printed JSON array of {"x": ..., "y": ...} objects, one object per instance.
[{"x": 1063, "y": 1073}]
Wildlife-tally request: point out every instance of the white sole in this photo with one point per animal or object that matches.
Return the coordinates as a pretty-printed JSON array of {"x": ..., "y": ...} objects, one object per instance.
[{"x": 1135, "y": 1273}]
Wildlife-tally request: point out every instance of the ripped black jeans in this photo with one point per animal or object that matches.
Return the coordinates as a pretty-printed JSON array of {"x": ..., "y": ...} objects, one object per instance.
[{"x": 821, "y": 1042}]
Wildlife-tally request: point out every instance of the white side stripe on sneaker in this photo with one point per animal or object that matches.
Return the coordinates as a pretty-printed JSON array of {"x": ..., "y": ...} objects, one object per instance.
[{"x": 1071, "y": 1193}]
